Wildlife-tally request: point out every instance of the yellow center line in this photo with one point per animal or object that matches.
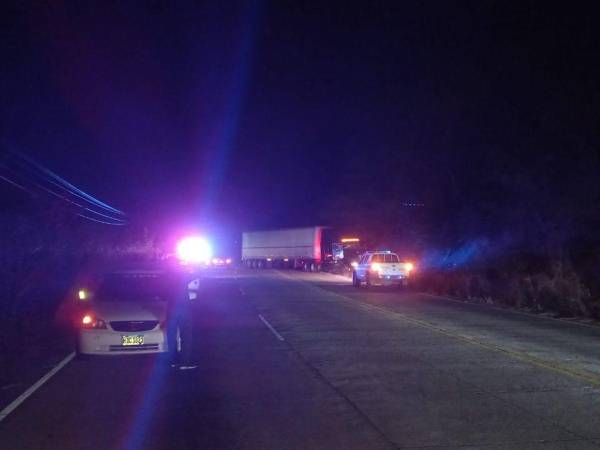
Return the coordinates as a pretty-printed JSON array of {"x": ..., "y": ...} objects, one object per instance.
[
  {"x": 554, "y": 366},
  {"x": 580, "y": 374}
]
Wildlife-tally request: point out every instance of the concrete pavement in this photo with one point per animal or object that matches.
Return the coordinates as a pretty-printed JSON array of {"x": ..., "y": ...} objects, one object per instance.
[{"x": 353, "y": 369}]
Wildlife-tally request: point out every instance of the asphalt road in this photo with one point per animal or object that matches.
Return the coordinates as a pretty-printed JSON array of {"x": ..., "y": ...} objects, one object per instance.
[{"x": 290, "y": 360}]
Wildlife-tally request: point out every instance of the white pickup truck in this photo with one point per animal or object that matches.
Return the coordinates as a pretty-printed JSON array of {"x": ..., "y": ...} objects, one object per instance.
[{"x": 381, "y": 268}]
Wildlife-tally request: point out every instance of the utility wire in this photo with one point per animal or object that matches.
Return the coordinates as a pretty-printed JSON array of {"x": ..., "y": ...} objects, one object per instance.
[
  {"x": 79, "y": 205},
  {"x": 101, "y": 221},
  {"x": 64, "y": 185},
  {"x": 115, "y": 219},
  {"x": 14, "y": 183},
  {"x": 50, "y": 177}
]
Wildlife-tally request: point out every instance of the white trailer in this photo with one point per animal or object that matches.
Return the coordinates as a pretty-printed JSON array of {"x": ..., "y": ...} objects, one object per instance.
[{"x": 298, "y": 248}]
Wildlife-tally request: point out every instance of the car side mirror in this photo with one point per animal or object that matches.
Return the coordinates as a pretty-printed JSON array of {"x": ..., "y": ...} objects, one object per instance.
[{"x": 84, "y": 296}]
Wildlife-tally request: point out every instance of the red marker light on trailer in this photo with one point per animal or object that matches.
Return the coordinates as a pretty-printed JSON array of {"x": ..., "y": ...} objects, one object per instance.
[{"x": 87, "y": 320}]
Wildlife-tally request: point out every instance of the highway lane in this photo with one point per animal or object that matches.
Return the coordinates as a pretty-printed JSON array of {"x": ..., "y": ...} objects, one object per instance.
[
  {"x": 431, "y": 372},
  {"x": 249, "y": 391},
  {"x": 355, "y": 369}
]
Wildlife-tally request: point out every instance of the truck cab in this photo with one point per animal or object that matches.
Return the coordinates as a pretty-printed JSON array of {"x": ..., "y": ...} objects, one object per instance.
[{"x": 381, "y": 268}]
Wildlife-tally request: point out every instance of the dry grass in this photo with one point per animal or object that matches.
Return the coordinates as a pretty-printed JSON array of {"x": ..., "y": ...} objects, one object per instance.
[{"x": 554, "y": 287}]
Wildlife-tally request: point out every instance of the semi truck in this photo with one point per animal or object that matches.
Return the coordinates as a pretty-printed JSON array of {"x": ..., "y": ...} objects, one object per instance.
[{"x": 308, "y": 248}]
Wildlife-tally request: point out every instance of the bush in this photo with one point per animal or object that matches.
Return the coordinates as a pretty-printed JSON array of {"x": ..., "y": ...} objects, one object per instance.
[{"x": 525, "y": 282}]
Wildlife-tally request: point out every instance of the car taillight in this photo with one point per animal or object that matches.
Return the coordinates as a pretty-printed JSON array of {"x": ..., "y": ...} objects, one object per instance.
[{"x": 91, "y": 322}]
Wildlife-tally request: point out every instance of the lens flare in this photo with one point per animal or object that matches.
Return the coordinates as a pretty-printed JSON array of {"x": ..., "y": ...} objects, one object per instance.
[{"x": 194, "y": 250}]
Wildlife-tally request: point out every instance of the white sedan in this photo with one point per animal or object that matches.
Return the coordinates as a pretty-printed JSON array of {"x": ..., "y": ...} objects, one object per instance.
[
  {"x": 381, "y": 268},
  {"x": 127, "y": 312}
]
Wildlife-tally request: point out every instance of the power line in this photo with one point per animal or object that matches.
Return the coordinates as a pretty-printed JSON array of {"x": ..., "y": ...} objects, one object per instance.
[
  {"x": 77, "y": 204},
  {"x": 117, "y": 221},
  {"x": 23, "y": 162},
  {"x": 102, "y": 221},
  {"x": 63, "y": 184},
  {"x": 14, "y": 183}
]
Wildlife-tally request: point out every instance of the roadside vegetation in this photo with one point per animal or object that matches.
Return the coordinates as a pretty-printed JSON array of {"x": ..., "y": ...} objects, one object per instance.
[
  {"x": 534, "y": 283},
  {"x": 501, "y": 224}
]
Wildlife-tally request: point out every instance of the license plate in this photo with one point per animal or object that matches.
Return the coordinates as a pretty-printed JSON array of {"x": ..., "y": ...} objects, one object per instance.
[{"x": 137, "y": 339}]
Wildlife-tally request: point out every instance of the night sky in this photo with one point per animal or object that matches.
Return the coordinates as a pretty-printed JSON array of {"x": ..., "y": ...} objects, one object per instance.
[{"x": 270, "y": 113}]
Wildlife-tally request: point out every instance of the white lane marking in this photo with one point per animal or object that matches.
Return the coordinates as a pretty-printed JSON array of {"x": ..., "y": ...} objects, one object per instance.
[
  {"x": 270, "y": 327},
  {"x": 25, "y": 395}
]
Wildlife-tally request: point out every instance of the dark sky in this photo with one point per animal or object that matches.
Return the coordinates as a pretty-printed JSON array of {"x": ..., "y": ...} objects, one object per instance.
[{"x": 263, "y": 113}]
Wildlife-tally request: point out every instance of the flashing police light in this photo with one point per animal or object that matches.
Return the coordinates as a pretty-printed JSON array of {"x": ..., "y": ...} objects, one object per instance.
[{"x": 194, "y": 249}]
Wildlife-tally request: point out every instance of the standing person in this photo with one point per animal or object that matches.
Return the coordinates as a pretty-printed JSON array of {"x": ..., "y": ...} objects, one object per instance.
[{"x": 180, "y": 320}]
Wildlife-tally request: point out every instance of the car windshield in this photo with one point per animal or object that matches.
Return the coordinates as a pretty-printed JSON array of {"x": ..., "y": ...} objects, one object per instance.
[
  {"x": 391, "y": 258},
  {"x": 385, "y": 258},
  {"x": 133, "y": 288}
]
